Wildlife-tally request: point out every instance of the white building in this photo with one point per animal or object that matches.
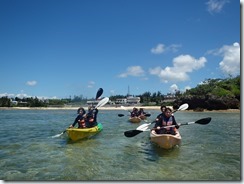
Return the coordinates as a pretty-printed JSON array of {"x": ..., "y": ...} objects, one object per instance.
[
  {"x": 121, "y": 101},
  {"x": 133, "y": 100}
]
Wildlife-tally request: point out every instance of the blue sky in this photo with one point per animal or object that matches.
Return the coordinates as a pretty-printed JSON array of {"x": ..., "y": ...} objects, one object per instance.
[{"x": 62, "y": 48}]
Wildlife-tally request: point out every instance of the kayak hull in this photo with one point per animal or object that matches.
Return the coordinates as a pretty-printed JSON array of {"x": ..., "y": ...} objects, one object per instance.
[
  {"x": 142, "y": 117},
  {"x": 134, "y": 120},
  {"x": 80, "y": 133},
  {"x": 166, "y": 141}
]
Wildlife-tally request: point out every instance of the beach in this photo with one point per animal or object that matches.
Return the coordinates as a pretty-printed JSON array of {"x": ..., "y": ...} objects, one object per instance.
[{"x": 146, "y": 108}]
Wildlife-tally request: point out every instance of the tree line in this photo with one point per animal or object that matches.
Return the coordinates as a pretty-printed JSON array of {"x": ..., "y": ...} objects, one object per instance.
[{"x": 210, "y": 94}]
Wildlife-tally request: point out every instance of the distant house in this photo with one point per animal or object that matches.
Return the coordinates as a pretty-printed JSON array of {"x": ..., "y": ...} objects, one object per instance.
[
  {"x": 121, "y": 101},
  {"x": 169, "y": 98},
  {"x": 133, "y": 100},
  {"x": 14, "y": 102}
]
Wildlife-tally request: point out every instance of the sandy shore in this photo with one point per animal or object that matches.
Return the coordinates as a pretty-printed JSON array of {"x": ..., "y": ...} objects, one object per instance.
[{"x": 146, "y": 108}]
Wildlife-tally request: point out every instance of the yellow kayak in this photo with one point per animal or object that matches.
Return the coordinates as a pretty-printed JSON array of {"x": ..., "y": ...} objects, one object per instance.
[
  {"x": 166, "y": 141},
  {"x": 80, "y": 133}
]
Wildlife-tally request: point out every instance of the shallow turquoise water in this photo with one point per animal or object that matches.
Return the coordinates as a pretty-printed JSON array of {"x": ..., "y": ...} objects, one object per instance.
[{"x": 28, "y": 152}]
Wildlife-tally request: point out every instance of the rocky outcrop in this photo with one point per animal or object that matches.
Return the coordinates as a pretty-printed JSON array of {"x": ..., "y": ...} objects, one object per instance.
[{"x": 208, "y": 102}]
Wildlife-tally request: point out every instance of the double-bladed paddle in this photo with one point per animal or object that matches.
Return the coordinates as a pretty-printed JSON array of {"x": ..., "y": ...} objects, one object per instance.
[
  {"x": 147, "y": 115},
  {"x": 99, "y": 93},
  {"x": 132, "y": 133},
  {"x": 124, "y": 108},
  {"x": 100, "y": 104}
]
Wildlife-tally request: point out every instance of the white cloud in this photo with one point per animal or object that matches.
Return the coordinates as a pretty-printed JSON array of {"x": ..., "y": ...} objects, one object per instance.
[
  {"x": 216, "y": 6},
  {"x": 22, "y": 95},
  {"x": 161, "y": 48},
  {"x": 182, "y": 65},
  {"x": 91, "y": 84},
  {"x": 187, "y": 88},
  {"x": 31, "y": 83},
  {"x": 158, "y": 49},
  {"x": 230, "y": 65},
  {"x": 7, "y": 94},
  {"x": 173, "y": 47},
  {"x": 135, "y": 71},
  {"x": 174, "y": 88}
]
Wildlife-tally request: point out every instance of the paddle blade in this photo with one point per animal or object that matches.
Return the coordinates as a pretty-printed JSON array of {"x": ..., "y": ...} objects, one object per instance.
[
  {"x": 132, "y": 133},
  {"x": 203, "y": 121},
  {"x": 99, "y": 93},
  {"x": 58, "y": 135},
  {"x": 147, "y": 115},
  {"x": 120, "y": 115},
  {"x": 102, "y": 102},
  {"x": 183, "y": 107}
]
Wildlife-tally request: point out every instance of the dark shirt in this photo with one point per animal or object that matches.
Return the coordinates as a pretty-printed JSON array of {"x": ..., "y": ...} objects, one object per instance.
[
  {"x": 165, "y": 119},
  {"x": 91, "y": 115},
  {"x": 160, "y": 116},
  {"x": 79, "y": 117},
  {"x": 134, "y": 114}
]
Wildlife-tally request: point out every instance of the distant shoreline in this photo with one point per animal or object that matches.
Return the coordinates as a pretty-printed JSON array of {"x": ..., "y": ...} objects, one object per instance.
[{"x": 109, "y": 108}]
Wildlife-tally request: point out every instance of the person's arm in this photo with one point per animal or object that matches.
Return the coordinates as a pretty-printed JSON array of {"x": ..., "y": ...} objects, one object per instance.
[
  {"x": 158, "y": 124},
  {"x": 75, "y": 122},
  {"x": 95, "y": 112},
  {"x": 175, "y": 123}
]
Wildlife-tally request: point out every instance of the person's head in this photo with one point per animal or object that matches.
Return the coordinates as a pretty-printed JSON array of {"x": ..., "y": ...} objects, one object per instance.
[
  {"x": 162, "y": 108},
  {"x": 90, "y": 108},
  {"x": 168, "y": 112},
  {"x": 81, "y": 110},
  {"x": 135, "y": 109}
]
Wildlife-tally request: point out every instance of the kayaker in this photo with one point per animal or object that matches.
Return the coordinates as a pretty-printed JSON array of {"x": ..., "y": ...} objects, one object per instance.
[
  {"x": 134, "y": 112},
  {"x": 80, "y": 119},
  {"x": 91, "y": 117},
  {"x": 162, "y": 108},
  {"x": 141, "y": 112},
  {"x": 166, "y": 120}
]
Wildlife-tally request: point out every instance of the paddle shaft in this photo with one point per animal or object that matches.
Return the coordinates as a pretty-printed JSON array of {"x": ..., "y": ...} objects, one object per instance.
[
  {"x": 182, "y": 107},
  {"x": 101, "y": 103},
  {"x": 132, "y": 133}
]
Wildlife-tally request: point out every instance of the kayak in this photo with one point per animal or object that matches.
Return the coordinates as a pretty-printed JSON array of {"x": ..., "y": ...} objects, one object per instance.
[
  {"x": 142, "y": 117},
  {"x": 166, "y": 141},
  {"x": 80, "y": 133},
  {"x": 135, "y": 120}
]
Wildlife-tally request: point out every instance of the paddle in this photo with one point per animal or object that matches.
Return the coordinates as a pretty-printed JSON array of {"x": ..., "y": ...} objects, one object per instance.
[
  {"x": 100, "y": 104},
  {"x": 121, "y": 115},
  {"x": 124, "y": 108},
  {"x": 132, "y": 133},
  {"x": 181, "y": 108},
  {"x": 99, "y": 93}
]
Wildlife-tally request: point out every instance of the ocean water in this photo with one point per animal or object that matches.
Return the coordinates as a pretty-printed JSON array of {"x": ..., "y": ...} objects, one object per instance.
[{"x": 28, "y": 151}]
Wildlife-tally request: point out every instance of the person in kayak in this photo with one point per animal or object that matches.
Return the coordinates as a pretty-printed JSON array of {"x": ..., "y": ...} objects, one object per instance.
[
  {"x": 162, "y": 108},
  {"x": 166, "y": 120},
  {"x": 141, "y": 112},
  {"x": 91, "y": 117},
  {"x": 134, "y": 112},
  {"x": 80, "y": 119}
]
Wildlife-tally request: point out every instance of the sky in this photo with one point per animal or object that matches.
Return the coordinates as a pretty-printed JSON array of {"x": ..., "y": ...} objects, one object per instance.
[{"x": 62, "y": 48}]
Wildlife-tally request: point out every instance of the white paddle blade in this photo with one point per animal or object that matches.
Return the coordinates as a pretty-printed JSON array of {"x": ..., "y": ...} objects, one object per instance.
[
  {"x": 143, "y": 126},
  {"x": 183, "y": 107},
  {"x": 58, "y": 135},
  {"x": 102, "y": 102},
  {"x": 123, "y": 108}
]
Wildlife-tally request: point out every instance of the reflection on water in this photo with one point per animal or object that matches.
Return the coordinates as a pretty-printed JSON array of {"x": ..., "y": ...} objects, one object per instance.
[{"x": 28, "y": 151}]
